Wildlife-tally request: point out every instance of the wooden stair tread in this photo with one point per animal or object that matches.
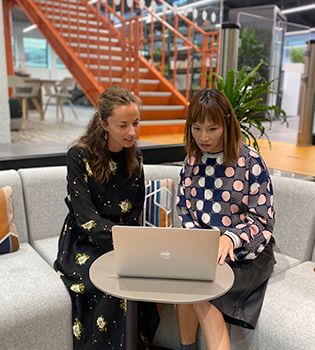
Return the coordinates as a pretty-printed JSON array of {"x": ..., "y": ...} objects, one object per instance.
[
  {"x": 162, "y": 108},
  {"x": 155, "y": 93}
]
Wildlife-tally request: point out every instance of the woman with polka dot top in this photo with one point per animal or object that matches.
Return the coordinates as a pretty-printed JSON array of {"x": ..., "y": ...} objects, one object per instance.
[
  {"x": 226, "y": 185},
  {"x": 105, "y": 184}
]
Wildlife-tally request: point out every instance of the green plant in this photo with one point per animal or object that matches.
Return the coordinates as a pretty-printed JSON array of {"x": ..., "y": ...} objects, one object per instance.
[
  {"x": 255, "y": 46},
  {"x": 297, "y": 55},
  {"x": 245, "y": 90}
]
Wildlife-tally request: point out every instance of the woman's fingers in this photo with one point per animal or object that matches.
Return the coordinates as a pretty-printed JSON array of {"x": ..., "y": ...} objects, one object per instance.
[{"x": 225, "y": 248}]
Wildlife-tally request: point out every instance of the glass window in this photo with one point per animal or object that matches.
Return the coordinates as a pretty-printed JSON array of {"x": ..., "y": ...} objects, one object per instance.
[
  {"x": 14, "y": 50},
  {"x": 59, "y": 63},
  {"x": 35, "y": 52}
]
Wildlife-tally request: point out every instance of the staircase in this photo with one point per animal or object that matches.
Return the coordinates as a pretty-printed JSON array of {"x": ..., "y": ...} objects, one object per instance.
[{"x": 101, "y": 47}]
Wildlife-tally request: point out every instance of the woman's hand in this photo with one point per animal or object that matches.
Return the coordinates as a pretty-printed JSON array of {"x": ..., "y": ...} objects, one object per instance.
[{"x": 225, "y": 247}]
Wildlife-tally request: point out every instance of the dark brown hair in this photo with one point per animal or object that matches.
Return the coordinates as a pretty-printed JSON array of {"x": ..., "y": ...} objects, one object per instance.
[
  {"x": 94, "y": 140},
  {"x": 212, "y": 105}
]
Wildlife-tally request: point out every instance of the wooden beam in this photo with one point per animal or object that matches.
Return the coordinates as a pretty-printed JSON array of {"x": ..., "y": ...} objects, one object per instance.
[{"x": 7, "y": 5}]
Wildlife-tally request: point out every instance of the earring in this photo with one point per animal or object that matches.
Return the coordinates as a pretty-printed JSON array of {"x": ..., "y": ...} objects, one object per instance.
[{"x": 106, "y": 135}]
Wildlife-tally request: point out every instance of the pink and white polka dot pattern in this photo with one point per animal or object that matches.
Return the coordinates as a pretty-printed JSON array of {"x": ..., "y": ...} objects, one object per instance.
[{"x": 236, "y": 198}]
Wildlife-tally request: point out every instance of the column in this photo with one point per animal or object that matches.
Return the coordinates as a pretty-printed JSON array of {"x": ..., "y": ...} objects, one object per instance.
[
  {"x": 228, "y": 48},
  {"x": 307, "y": 97},
  {"x": 5, "y": 132}
]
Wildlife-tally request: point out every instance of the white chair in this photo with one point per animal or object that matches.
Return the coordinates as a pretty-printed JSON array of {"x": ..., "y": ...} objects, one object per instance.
[
  {"x": 26, "y": 92},
  {"x": 62, "y": 95}
]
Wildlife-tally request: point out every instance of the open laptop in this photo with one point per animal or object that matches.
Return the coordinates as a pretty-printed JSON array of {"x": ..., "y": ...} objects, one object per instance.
[{"x": 159, "y": 252}]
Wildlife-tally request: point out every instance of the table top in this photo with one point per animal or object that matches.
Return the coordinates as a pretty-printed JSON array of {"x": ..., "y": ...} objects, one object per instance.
[{"x": 158, "y": 290}]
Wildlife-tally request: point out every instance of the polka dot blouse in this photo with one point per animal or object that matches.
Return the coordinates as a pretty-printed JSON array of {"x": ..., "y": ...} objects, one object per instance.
[{"x": 237, "y": 199}]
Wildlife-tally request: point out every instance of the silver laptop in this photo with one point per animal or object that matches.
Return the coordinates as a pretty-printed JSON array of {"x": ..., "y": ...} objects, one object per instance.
[{"x": 159, "y": 252}]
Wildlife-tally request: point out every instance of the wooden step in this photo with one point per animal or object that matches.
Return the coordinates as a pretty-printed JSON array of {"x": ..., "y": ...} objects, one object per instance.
[
  {"x": 155, "y": 97},
  {"x": 81, "y": 31},
  {"x": 162, "y": 127},
  {"x": 144, "y": 84},
  {"x": 90, "y": 37},
  {"x": 88, "y": 58},
  {"x": 151, "y": 82},
  {"x": 65, "y": 4},
  {"x": 106, "y": 71},
  {"x": 74, "y": 21},
  {"x": 104, "y": 46},
  {"x": 65, "y": 12},
  {"x": 162, "y": 114},
  {"x": 75, "y": 24},
  {"x": 163, "y": 108},
  {"x": 104, "y": 59},
  {"x": 97, "y": 50},
  {"x": 116, "y": 69}
]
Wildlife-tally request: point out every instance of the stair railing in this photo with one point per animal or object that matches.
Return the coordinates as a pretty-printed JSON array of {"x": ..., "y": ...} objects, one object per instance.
[
  {"x": 167, "y": 55},
  {"x": 129, "y": 33}
]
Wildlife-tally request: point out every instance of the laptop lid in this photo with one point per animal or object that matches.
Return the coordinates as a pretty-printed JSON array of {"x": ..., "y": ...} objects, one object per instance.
[{"x": 160, "y": 252}]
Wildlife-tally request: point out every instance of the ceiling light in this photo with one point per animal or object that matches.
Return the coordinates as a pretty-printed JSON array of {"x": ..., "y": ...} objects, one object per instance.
[
  {"x": 298, "y": 9},
  {"x": 29, "y": 28}
]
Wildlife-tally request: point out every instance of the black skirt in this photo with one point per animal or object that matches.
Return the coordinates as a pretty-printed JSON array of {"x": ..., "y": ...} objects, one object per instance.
[{"x": 241, "y": 305}]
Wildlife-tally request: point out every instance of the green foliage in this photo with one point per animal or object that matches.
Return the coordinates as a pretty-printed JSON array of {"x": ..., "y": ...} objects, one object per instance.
[
  {"x": 245, "y": 90},
  {"x": 255, "y": 46},
  {"x": 297, "y": 55}
]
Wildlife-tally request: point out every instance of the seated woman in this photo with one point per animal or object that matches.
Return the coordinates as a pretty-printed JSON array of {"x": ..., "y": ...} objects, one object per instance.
[
  {"x": 225, "y": 184},
  {"x": 105, "y": 188}
]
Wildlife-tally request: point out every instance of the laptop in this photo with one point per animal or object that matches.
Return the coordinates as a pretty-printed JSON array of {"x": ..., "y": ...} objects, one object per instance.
[{"x": 160, "y": 252}]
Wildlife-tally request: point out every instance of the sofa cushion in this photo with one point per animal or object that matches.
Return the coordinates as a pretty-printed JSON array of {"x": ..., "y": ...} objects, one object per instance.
[
  {"x": 288, "y": 314},
  {"x": 44, "y": 193},
  {"x": 284, "y": 262},
  {"x": 294, "y": 229},
  {"x": 158, "y": 203},
  {"x": 47, "y": 248},
  {"x": 9, "y": 240},
  {"x": 11, "y": 178},
  {"x": 35, "y": 305}
]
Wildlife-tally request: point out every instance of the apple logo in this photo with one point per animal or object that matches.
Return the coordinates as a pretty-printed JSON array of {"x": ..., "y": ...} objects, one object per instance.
[{"x": 166, "y": 255}]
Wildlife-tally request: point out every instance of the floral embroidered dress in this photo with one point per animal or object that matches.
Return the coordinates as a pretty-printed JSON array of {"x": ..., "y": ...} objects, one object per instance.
[
  {"x": 98, "y": 319},
  {"x": 238, "y": 200}
]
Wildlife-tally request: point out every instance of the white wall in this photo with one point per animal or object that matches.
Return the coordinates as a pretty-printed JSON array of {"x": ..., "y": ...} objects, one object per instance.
[{"x": 5, "y": 134}]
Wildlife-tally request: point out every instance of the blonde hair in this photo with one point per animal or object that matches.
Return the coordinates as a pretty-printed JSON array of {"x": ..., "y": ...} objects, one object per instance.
[
  {"x": 212, "y": 105},
  {"x": 94, "y": 139}
]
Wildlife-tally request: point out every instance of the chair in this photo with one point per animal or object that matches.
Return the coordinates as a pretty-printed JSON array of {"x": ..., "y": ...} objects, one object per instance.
[
  {"x": 26, "y": 92},
  {"x": 62, "y": 95}
]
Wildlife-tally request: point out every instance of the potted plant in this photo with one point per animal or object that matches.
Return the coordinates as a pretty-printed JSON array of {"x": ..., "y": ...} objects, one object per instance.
[{"x": 245, "y": 89}]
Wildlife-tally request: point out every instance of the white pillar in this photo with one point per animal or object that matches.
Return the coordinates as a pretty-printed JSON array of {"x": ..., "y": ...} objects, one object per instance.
[{"x": 5, "y": 133}]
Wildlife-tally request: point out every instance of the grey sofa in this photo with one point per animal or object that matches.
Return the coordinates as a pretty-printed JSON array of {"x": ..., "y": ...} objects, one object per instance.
[{"x": 36, "y": 309}]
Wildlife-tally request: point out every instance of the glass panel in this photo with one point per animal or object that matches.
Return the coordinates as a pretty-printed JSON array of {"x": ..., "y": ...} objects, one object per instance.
[
  {"x": 295, "y": 40},
  {"x": 35, "y": 52},
  {"x": 14, "y": 51},
  {"x": 59, "y": 63}
]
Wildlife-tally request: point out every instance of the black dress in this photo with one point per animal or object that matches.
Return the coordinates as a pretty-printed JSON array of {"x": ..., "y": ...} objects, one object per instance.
[{"x": 99, "y": 320}]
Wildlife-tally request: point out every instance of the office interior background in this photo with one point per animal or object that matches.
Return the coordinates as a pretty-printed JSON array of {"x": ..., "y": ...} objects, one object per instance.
[{"x": 274, "y": 31}]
